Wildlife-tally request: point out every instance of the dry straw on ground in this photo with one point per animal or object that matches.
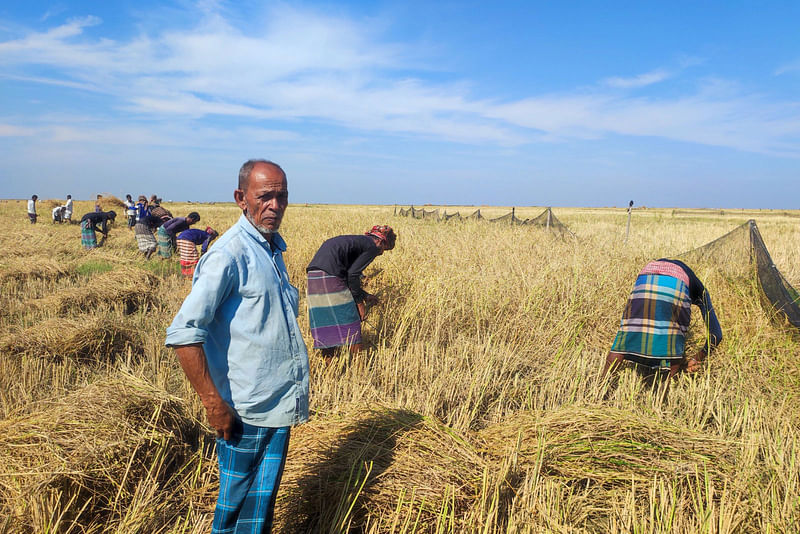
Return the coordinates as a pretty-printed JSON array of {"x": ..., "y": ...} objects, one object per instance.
[
  {"x": 93, "y": 452},
  {"x": 373, "y": 466},
  {"x": 86, "y": 338},
  {"x": 129, "y": 289}
]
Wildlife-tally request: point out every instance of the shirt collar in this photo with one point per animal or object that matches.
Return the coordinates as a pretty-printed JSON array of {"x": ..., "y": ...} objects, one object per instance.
[{"x": 277, "y": 240}]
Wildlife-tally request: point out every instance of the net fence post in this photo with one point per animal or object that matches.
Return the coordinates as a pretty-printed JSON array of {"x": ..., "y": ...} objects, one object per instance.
[
  {"x": 549, "y": 217},
  {"x": 512, "y": 215},
  {"x": 628, "y": 226}
]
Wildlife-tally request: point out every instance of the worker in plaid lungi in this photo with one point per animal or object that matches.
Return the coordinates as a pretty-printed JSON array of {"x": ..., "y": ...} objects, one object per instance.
[
  {"x": 238, "y": 341},
  {"x": 655, "y": 323}
]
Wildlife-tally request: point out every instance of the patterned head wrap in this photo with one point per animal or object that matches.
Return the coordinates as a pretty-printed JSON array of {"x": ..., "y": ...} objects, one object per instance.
[{"x": 385, "y": 234}]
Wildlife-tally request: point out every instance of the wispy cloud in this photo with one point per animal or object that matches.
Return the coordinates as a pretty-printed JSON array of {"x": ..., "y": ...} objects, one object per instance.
[
  {"x": 641, "y": 80},
  {"x": 301, "y": 66}
]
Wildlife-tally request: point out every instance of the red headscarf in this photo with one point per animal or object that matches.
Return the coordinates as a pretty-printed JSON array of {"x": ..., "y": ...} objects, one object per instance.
[{"x": 385, "y": 234}]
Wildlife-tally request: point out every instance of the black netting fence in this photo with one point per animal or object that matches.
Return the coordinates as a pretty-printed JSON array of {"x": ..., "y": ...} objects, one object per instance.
[
  {"x": 545, "y": 220},
  {"x": 742, "y": 252}
]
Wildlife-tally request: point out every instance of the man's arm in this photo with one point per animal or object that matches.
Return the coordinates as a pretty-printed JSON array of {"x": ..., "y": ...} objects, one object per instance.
[{"x": 219, "y": 414}]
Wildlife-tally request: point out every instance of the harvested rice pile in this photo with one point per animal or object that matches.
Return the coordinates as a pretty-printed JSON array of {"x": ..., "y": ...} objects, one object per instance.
[
  {"x": 110, "y": 202},
  {"x": 21, "y": 270},
  {"x": 92, "y": 454},
  {"x": 607, "y": 446},
  {"x": 131, "y": 289},
  {"x": 380, "y": 462},
  {"x": 88, "y": 339}
]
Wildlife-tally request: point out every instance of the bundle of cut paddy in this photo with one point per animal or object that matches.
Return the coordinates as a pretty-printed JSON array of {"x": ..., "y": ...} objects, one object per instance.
[
  {"x": 88, "y": 338},
  {"x": 110, "y": 202},
  {"x": 90, "y": 455},
  {"x": 370, "y": 466},
  {"x": 42, "y": 268},
  {"x": 608, "y": 447},
  {"x": 128, "y": 288}
]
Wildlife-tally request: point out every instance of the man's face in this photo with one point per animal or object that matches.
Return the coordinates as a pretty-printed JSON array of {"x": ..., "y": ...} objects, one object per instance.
[{"x": 265, "y": 198}]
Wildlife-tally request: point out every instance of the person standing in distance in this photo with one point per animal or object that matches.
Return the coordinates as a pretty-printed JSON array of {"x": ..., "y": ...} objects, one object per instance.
[{"x": 238, "y": 341}]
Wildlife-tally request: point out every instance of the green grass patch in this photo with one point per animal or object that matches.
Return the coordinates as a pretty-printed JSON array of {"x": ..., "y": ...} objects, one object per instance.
[
  {"x": 93, "y": 267},
  {"x": 163, "y": 268}
]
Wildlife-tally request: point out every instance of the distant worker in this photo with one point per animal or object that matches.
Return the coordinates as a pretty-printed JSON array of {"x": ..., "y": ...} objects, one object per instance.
[
  {"x": 68, "y": 209},
  {"x": 157, "y": 210},
  {"x": 187, "y": 247},
  {"x": 32, "y": 209},
  {"x": 169, "y": 231},
  {"x": 142, "y": 209},
  {"x": 93, "y": 222},
  {"x": 336, "y": 301},
  {"x": 655, "y": 323},
  {"x": 145, "y": 238},
  {"x": 58, "y": 214},
  {"x": 238, "y": 341},
  {"x": 98, "y": 206},
  {"x": 130, "y": 211}
]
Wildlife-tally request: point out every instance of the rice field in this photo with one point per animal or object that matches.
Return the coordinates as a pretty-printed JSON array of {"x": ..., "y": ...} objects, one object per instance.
[{"x": 478, "y": 406}]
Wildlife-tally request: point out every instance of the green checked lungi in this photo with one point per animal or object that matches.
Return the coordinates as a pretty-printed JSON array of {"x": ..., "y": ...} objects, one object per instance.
[
  {"x": 88, "y": 235},
  {"x": 165, "y": 243},
  {"x": 250, "y": 468},
  {"x": 656, "y": 318}
]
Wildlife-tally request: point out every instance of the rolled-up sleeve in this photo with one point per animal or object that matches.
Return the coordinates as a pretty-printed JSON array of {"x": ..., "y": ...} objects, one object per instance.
[{"x": 216, "y": 275}]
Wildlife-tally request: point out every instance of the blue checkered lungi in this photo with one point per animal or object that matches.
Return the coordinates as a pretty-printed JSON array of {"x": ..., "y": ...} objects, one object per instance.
[{"x": 250, "y": 468}]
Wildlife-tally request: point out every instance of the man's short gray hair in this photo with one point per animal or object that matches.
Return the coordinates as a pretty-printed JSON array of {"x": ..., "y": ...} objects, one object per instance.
[{"x": 247, "y": 168}]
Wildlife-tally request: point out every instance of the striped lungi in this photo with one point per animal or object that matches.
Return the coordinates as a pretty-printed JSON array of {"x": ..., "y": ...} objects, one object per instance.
[
  {"x": 88, "y": 235},
  {"x": 656, "y": 318},
  {"x": 187, "y": 251},
  {"x": 145, "y": 239},
  {"x": 250, "y": 468},
  {"x": 332, "y": 312},
  {"x": 165, "y": 244}
]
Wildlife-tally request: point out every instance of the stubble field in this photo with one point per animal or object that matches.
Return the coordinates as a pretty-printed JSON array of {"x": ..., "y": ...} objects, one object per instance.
[{"x": 478, "y": 406}]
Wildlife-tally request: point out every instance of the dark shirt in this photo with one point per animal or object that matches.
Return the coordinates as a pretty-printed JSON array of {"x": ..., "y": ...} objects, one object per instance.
[
  {"x": 198, "y": 237},
  {"x": 98, "y": 217},
  {"x": 176, "y": 225},
  {"x": 162, "y": 213},
  {"x": 701, "y": 299},
  {"x": 346, "y": 257}
]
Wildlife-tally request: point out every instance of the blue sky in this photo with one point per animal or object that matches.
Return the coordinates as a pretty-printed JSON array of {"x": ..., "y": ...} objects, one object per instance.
[{"x": 507, "y": 103}]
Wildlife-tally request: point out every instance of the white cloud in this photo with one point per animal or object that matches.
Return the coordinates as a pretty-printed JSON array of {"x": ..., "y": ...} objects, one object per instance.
[
  {"x": 641, "y": 80},
  {"x": 293, "y": 65}
]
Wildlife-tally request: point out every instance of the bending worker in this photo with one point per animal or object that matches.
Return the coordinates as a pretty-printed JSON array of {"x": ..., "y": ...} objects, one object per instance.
[
  {"x": 654, "y": 325},
  {"x": 89, "y": 227},
  {"x": 336, "y": 301},
  {"x": 187, "y": 247}
]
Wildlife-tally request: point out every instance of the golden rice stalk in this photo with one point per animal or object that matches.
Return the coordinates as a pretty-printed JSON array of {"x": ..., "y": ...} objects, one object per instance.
[
  {"x": 127, "y": 288},
  {"x": 110, "y": 202},
  {"x": 90, "y": 452},
  {"x": 23, "y": 269},
  {"x": 608, "y": 447},
  {"x": 88, "y": 339},
  {"x": 382, "y": 462}
]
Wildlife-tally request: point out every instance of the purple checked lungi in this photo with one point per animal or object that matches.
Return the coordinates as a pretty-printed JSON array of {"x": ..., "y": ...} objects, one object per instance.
[
  {"x": 332, "y": 312},
  {"x": 250, "y": 469}
]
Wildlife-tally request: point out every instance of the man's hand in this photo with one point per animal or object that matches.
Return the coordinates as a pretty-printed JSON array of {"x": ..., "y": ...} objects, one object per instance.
[
  {"x": 221, "y": 417},
  {"x": 362, "y": 310}
]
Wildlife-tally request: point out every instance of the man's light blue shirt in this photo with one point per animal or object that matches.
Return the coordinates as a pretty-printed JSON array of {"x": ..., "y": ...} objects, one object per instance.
[{"x": 243, "y": 310}]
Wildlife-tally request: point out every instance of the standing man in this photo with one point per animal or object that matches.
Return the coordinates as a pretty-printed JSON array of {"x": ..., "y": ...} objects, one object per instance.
[
  {"x": 32, "y": 209},
  {"x": 130, "y": 211},
  {"x": 238, "y": 341},
  {"x": 68, "y": 210}
]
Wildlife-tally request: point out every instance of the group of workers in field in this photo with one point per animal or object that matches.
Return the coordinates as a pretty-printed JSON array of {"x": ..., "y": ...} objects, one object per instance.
[{"x": 238, "y": 341}]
